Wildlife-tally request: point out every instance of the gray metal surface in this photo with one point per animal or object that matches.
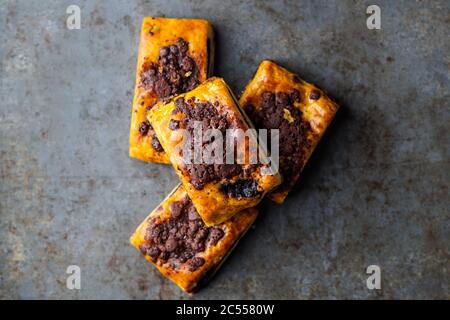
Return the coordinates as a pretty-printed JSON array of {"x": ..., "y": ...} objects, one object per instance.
[{"x": 375, "y": 192}]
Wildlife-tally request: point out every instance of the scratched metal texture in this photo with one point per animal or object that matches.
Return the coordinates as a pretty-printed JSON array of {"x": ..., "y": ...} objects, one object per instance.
[{"x": 375, "y": 192}]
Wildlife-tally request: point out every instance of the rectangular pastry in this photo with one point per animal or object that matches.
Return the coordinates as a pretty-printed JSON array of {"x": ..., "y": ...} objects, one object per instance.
[
  {"x": 175, "y": 239},
  {"x": 218, "y": 191},
  {"x": 175, "y": 55},
  {"x": 278, "y": 99}
]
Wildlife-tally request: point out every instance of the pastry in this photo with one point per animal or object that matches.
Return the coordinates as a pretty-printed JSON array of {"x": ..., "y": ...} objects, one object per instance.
[
  {"x": 175, "y": 55},
  {"x": 175, "y": 239},
  {"x": 218, "y": 190},
  {"x": 278, "y": 99}
]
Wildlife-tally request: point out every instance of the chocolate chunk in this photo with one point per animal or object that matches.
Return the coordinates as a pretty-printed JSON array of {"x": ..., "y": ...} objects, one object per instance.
[
  {"x": 196, "y": 263},
  {"x": 144, "y": 248},
  {"x": 187, "y": 64},
  {"x": 215, "y": 235},
  {"x": 164, "y": 256},
  {"x": 164, "y": 51},
  {"x": 174, "y": 78},
  {"x": 171, "y": 244},
  {"x": 199, "y": 246},
  {"x": 201, "y": 234},
  {"x": 174, "y": 124},
  {"x": 180, "y": 106},
  {"x": 150, "y": 250},
  {"x": 178, "y": 239},
  {"x": 282, "y": 99},
  {"x": 185, "y": 255},
  {"x": 294, "y": 95},
  {"x": 148, "y": 77},
  {"x": 314, "y": 95},
  {"x": 173, "y": 49},
  {"x": 152, "y": 232},
  {"x": 249, "y": 109},
  {"x": 268, "y": 98},
  {"x": 156, "y": 144},
  {"x": 162, "y": 88},
  {"x": 153, "y": 252},
  {"x": 227, "y": 170},
  {"x": 193, "y": 227},
  {"x": 241, "y": 189},
  {"x": 144, "y": 127},
  {"x": 218, "y": 123},
  {"x": 192, "y": 213},
  {"x": 182, "y": 45},
  {"x": 175, "y": 208}
]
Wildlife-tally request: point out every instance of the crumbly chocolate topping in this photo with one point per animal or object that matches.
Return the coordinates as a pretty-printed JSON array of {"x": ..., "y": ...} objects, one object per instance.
[
  {"x": 277, "y": 112},
  {"x": 180, "y": 238},
  {"x": 174, "y": 72},
  {"x": 207, "y": 113}
]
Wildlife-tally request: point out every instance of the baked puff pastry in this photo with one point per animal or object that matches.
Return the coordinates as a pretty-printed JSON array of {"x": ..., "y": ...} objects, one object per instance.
[
  {"x": 218, "y": 189},
  {"x": 175, "y": 239},
  {"x": 278, "y": 99},
  {"x": 175, "y": 55}
]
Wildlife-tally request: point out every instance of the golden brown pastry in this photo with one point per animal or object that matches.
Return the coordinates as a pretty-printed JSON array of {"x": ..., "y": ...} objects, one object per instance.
[
  {"x": 175, "y": 55},
  {"x": 175, "y": 239},
  {"x": 278, "y": 99},
  {"x": 218, "y": 191}
]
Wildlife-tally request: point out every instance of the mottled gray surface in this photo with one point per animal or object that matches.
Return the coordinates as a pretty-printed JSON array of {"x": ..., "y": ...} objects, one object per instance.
[{"x": 375, "y": 192}]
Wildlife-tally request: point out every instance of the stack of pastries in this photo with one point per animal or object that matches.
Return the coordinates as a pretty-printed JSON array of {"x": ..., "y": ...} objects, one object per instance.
[{"x": 189, "y": 235}]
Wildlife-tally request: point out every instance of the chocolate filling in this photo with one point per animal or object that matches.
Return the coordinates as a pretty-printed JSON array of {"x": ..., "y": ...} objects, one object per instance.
[
  {"x": 175, "y": 71},
  {"x": 277, "y": 111},
  {"x": 241, "y": 189},
  {"x": 178, "y": 239},
  {"x": 208, "y": 115}
]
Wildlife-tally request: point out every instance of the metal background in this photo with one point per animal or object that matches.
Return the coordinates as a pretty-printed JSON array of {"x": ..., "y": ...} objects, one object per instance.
[{"x": 375, "y": 192}]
